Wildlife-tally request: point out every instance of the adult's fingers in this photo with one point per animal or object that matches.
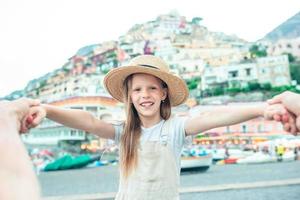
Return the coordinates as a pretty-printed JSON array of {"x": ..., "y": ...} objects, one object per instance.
[
  {"x": 34, "y": 102},
  {"x": 31, "y": 102},
  {"x": 275, "y": 99},
  {"x": 292, "y": 122},
  {"x": 286, "y": 127},
  {"x": 275, "y": 112},
  {"x": 298, "y": 124},
  {"x": 293, "y": 129},
  {"x": 286, "y": 118},
  {"x": 24, "y": 126},
  {"x": 277, "y": 118}
]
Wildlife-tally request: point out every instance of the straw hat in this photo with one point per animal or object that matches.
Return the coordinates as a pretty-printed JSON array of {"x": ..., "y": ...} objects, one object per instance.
[{"x": 148, "y": 64}]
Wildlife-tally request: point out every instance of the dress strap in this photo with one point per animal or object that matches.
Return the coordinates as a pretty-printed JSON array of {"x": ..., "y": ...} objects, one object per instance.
[{"x": 164, "y": 135}]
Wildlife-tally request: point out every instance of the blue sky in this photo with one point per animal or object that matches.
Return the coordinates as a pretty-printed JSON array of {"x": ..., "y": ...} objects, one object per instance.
[{"x": 39, "y": 36}]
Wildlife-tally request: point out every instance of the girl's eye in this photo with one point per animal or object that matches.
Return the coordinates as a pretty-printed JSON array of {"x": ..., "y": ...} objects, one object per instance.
[
  {"x": 153, "y": 88},
  {"x": 136, "y": 89}
]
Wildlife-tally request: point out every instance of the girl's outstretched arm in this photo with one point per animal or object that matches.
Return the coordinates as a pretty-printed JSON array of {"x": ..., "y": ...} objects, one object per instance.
[
  {"x": 79, "y": 119},
  {"x": 225, "y": 116}
]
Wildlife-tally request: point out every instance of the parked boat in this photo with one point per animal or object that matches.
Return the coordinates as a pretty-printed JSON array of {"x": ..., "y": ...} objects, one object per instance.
[
  {"x": 230, "y": 160},
  {"x": 258, "y": 157},
  {"x": 196, "y": 162},
  {"x": 288, "y": 156},
  {"x": 70, "y": 162},
  {"x": 195, "y": 159}
]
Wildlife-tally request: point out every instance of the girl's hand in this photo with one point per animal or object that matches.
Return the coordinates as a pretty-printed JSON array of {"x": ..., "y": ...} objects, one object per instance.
[{"x": 34, "y": 118}]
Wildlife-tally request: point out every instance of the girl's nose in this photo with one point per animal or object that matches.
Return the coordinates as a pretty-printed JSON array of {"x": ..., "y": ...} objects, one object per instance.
[{"x": 145, "y": 94}]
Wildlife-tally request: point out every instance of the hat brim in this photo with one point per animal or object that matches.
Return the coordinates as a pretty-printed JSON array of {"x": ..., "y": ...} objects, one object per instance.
[{"x": 114, "y": 82}]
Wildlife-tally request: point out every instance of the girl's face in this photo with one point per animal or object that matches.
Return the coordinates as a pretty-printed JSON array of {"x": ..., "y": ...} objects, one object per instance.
[{"x": 146, "y": 94}]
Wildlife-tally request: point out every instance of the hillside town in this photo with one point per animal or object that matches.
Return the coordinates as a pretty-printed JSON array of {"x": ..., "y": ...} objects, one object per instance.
[{"x": 218, "y": 69}]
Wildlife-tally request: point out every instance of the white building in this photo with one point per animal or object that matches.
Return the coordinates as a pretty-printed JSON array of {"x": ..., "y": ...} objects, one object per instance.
[
  {"x": 229, "y": 76},
  {"x": 291, "y": 46},
  {"x": 273, "y": 70}
]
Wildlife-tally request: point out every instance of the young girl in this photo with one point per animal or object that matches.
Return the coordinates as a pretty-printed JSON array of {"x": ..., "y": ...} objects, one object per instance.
[{"x": 151, "y": 139}]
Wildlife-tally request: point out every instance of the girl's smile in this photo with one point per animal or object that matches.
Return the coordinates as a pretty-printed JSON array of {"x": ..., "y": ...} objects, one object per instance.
[{"x": 147, "y": 104}]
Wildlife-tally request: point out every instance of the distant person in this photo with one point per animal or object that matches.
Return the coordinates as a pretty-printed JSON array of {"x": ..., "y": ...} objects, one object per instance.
[
  {"x": 280, "y": 149},
  {"x": 291, "y": 101},
  {"x": 17, "y": 178},
  {"x": 227, "y": 155},
  {"x": 151, "y": 139},
  {"x": 296, "y": 153}
]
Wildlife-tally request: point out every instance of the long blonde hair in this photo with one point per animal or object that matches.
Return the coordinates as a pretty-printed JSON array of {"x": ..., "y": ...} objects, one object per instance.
[{"x": 132, "y": 130}]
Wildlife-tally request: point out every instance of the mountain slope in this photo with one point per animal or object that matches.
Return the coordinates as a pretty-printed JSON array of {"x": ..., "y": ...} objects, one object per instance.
[{"x": 288, "y": 29}]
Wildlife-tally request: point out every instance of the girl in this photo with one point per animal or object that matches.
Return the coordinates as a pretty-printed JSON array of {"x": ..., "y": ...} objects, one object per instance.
[{"x": 151, "y": 139}]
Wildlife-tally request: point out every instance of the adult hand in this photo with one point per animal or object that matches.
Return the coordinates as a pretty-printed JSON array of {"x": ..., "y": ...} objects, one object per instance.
[
  {"x": 291, "y": 101},
  {"x": 18, "y": 180},
  {"x": 34, "y": 118},
  {"x": 15, "y": 112},
  {"x": 279, "y": 113}
]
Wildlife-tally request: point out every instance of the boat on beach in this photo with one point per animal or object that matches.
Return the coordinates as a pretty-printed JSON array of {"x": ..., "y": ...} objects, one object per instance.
[
  {"x": 195, "y": 159},
  {"x": 71, "y": 162},
  {"x": 258, "y": 157},
  {"x": 196, "y": 162}
]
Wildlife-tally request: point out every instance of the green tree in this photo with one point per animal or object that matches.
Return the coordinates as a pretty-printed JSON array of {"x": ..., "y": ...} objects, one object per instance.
[
  {"x": 192, "y": 83},
  {"x": 218, "y": 91},
  {"x": 253, "y": 86},
  {"x": 233, "y": 90},
  {"x": 257, "y": 51},
  {"x": 290, "y": 57},
  {"x": 266, "y": 86},
  {"x": 196, "y": 20},
  {"x": 295, "y": 71}
]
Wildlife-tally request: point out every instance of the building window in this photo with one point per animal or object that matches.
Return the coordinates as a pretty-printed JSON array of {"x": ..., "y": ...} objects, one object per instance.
[
  {"x": 75, "y": 107},
  {"x": 289, "y": 46},
  {"x": 227, "y": 129},
  {"x": 248, "y": 71},
  {"x": 260, "y": 128},
  {"x": 92, "y": 109},
  {"x": 244, "y": 128},
  {"x": 73, "y": 132},
  {"x": 233, "y": 74}
]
